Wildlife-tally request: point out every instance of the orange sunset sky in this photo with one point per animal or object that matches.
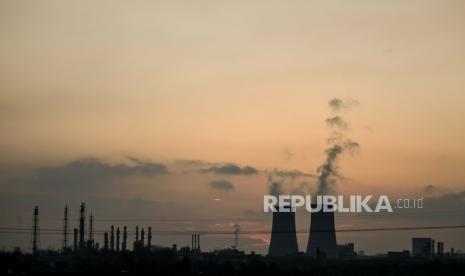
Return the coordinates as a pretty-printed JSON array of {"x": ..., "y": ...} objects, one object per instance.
[{"x": 227, "y": 82}]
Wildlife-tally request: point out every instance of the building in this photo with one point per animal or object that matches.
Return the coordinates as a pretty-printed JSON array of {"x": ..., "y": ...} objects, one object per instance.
[
  {"x": 440, "y": 249},
  {"x": 398, "y": 254},
  {"x": 346, "y": 250},
  {"x": 422, "y": 247}
]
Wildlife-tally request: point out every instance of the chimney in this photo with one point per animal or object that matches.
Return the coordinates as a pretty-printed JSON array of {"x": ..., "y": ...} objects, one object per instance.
[
  {"x": 125, "y": 239},
  {"x": 65, "y": 229},
  {"x": 105, "y": 241},
  {"x": 75, "y": 241},
  {"x": 136, "y": 242},
  {"x": 142, "y": 237},
  {"x": 112, "y": 238},
  {"x": 283, "y": 234},
  {"x": 90, "y": 242},
  {"x": 149, "y": 237},
  {"x": 117, "y": 239},
  {"x": 82, "y": 218},
  {"x": 322, "y": 238},
  {"x": 35, "y": 231}
]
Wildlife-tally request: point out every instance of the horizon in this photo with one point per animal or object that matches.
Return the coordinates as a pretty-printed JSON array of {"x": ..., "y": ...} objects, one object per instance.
[{"x": 191, "y": 113}]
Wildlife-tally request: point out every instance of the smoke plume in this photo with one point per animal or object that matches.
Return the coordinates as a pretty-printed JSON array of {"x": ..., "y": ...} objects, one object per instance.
[{"x": 339, "y": 144}]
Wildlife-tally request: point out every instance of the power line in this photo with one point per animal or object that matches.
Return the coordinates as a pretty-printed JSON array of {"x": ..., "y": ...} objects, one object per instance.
[
  {"x": 262, "y": 218},
  {"x": 18, "y": 230}
]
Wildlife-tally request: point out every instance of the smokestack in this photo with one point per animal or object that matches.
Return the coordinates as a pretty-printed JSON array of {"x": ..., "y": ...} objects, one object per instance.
[
  {"x": 136, "y": 242},
  {"x": 75, "y": 241},
  {"x": 35, "y": 231},
  {"x": 198, "y": 242},
  {"x": 125, "y": 239},
  {"x": 283, "y": 234},
  {"x": 117, "y": 239},
  {"x": 105, "y": 241},
  {"x": 65, "y": 229},
  {"x": 142, "y": 237},
  {"x": 149, "y": 237},
  {"x": 82, "y": 225},
  {"x": 90, "y": 242},
  {"x": 112, "y": 238},
  {"x": 322, "y": 238}
]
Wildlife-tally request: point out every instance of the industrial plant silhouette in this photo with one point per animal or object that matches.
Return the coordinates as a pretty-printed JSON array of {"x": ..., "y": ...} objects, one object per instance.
[{"x": 323, "y": 256}]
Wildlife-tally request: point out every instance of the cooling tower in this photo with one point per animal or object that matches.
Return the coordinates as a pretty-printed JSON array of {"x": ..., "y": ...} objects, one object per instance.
[
  {"x": 322, "y": 239},
  {"x": 283, "y": 236}
]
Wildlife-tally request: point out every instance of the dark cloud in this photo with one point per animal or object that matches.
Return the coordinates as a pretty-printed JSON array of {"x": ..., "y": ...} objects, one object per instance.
[
  {"x": 232, "y": 169},
  {"x": 291, "y": 173},
  {"x": 223, "y": 185},
  {"x": 193, "y": 162},
  {"x": 84, "y": 175}
]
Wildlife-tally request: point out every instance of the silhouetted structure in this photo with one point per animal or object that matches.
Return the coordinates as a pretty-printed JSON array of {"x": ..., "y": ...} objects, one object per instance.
[
  {"x": 346, "y": 250},
  {"x": 125, "y": 239},
  {"x": 149, "y": 237},
  {"x": 422, "y": 247},
  {"x": 440, "y": 249},
  {"x": 195, "y": 246},
  {"x": 90, "y": 241},
  {"x": 283, "y": 234},
  {"x": 82, "y": 218},
  {"x": 322, "y": 238},
  {"x": 75, "y": 240},
  {"x": 117, "y": 239},
  {"x": 112, "y": 238},
  {"x": 142, "y": 237},
  {"x": 65, "y": 229},
  {"x": 35, "y": 231},
  {"x": 398, "y": 254},
  {"x": 105, "y": 241}
]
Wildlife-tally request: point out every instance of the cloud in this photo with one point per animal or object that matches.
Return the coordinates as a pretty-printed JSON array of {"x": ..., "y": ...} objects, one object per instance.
[
  {"x": 223, "y": 185},
  {"x": 291, "y": 173},
  {"x": 85, "y": 175},
  {"x": 232, "y": 169}
]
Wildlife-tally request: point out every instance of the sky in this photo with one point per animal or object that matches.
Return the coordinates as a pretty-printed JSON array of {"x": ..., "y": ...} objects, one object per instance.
[{"x": 149, "y": 109}]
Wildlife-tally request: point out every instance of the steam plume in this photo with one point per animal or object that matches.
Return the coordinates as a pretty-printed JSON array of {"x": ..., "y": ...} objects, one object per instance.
[{"x": 329, "y": 170}]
